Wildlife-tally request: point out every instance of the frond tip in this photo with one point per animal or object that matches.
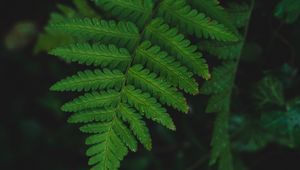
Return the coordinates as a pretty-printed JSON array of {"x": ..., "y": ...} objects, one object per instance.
[
  {"x": 193, "y": 22},
  {"x": 137, "y": 11}
]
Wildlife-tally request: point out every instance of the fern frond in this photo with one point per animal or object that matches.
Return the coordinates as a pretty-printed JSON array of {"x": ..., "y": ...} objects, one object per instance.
[
  {"x": 220, "y": 89},
  {"x": 137, "y": 125},
  {"x": 239, "y": 14},
  {"x": 166, "y": 66},
  {"x": 108, "y": 149},
  {"x": 121, "y": 33},
  {"x": 92, "y": 115},
  {"x": 97, "y": 55},
  {"x": 148, "y": 106},
  {"x": 67, "y": 11},
  {"x": 90, "y": 80},
  {"x": 55, "y": 38},
  {"x": 97, "y": 127},
  {"x": 137, "y": 11},
  {"x": 93, "y": 100},
  {"x": 269, "y": 91},
  {"x": 173, "y": 41},
  {"x": 193, "y": 22},
  {"x": 218, "y": 102},
  {"x": 154, "y": 61},
  {"x": 223, "y": 51},
  {"x": 222, "y": 79},
  {"x": 161, "y": 89},
  {"x": 94, "y": 139},
  {"x": 220, "y": 141},
  {"x": 50, "y": 40},
  {"x": 214, "y": 10},
  {"x": 125, "y": 135},
  {"x": 85, "y": 9}
]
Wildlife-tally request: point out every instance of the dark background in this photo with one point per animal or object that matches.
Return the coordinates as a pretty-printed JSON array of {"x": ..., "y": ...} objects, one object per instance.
[{"x": 34, "y": 133}]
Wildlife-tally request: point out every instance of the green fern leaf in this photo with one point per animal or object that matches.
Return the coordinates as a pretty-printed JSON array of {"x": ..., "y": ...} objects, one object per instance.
[
  {"x": 92, "y": 115},
  {"x": 50, "y": 40},
  {"x": 222, "y": 79},
  {"x": 269, "y": 91},
  {"x": 97, "y": 55},
  {"x": 67, "y": 11},
  {"x": 148, "y": 106},
  {"x": 85, "y": 9},
  {"x": 92, "y": 100},
  {"x": 218, "y": 102},
  {"x": 96, "y": 127},
  {"x": 220, "y": 141},
  {"x": 166, "y": 66},
  {"x": 137, "y": 11},
  {"x": 122, "y": 33},
  {"x": 239, "y": 14},
  {"x": 143, "y": 62},
  {"x": 223, "y": 51},
  {"x": 172, "y": 41},
  {"x": 162, "y": 90},
  {"x": 108, "y": 152},
  {"x": 193, "y": 22},
  {"x": 137, "y": 125},
  {"x": 125, "y": 135},
  {"x": 213, "y": 9},
  {"x": 90, "y": 80}
]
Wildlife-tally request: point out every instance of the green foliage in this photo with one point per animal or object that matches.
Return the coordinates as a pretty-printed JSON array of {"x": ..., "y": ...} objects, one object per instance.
[
  {"x": 288, "y": 10},
  {"x": 274, "y": 117},
  {"x": 284, "y": 123},
  {"x": 121, "y": 33},
  {"x": 215, "y": 11},
  {"x": 270, "y": 91},
  {"x": 145, "y": 57},
  {"x": 165, "y": 65},
  {"x": 96, "y": 55},
  {"x": 136, "y": 11},
  {"x": 224, "y": 51},
  {"x": 50, "y": 38},
  {"x": 193, "y": 22},
  {"x": 238, "y": 14},
  {"x": 90, "y": 80},
  {"x": 220, "y": 88},
  {"x": 279, "y": 116},
  {"x": 176, "y": 44}
]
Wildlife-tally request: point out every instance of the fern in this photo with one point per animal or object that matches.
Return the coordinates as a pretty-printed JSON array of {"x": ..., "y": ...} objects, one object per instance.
[
  {"x": 239, "y": 14},
  {"x": 193, "y": 22},
  {"x": 143, "y": 59},
  {"x": 223, "y": 51},
  {"x": 270, "y": 91},
  {"x": 133, "y": 10},
  {"x": 215, "y": 11},
  {"x": 220, "y": 88},
  {"x": 50, "y": 39}
]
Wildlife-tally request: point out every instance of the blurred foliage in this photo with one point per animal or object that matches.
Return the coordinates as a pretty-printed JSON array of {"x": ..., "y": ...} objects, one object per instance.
[
  {"x": 288, "y": 10},
  {"x": 49, "y": 38},
  {"x": 264, "y": 124},
  {"x": 20, "y": 35}
]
